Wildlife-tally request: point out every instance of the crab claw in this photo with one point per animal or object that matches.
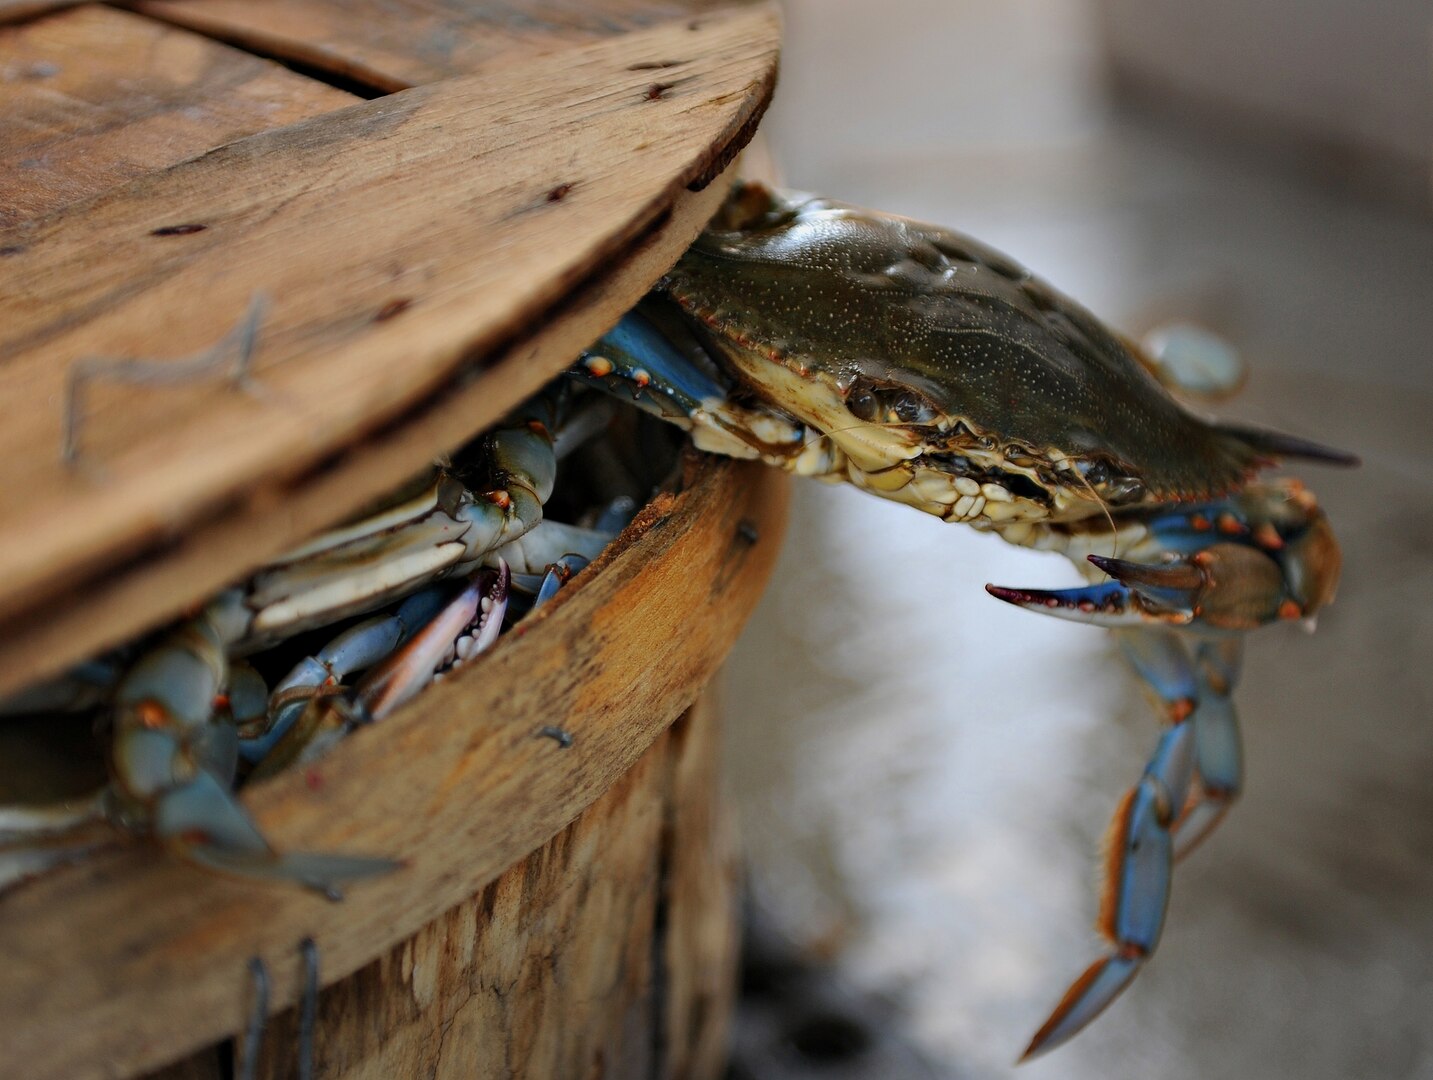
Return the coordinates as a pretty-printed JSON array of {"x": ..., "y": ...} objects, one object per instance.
[
  {"x": 1227, "y": 586},
  {"x": 1109, "y": 604},
  {"x": 466, "y": 626}
]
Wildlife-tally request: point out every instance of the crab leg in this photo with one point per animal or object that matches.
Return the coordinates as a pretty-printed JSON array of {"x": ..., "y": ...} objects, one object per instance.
[
  {"x": 466, "y": 626},
  {"x": 85, "y": 686},
  {"x": 444, "y": 530},
  {"x": 535, "y": 551},
  {"x": 665, "y": 371},
  {"x": 1140, "y": 847},
  {"x": 1184, "y": 793},
  {"x": 356, "y": 649},
  {"x": 172, "y": 772},
  {"x": 458, "y": 519},
  {"x": 1194, "y": 691},
  {"x": 1213, "y": 571},
  {"x": 1219, "y": 756}
]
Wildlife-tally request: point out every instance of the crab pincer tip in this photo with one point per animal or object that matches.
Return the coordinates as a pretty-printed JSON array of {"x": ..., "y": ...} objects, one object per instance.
[
  {"x": 1103, "y": 605},
  {"x": 1052, "y": 601},
  {"x": 1106, "y": 563},
  {"x": 1177, "y": 575},
  {"x": 1010, "y": 596}
]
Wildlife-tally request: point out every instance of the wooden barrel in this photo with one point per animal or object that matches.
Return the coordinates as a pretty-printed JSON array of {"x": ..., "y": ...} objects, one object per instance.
[{"x": 432, "y": 206}]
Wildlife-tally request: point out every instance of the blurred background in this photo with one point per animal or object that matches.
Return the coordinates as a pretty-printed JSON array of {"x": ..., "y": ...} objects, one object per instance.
[{"x": 925, "y": 773}]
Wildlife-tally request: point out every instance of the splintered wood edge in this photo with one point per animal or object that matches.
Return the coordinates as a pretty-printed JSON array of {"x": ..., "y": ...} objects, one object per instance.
[
  {"x": 151, "y": 585},
  {"x": 133, "y": 959}
]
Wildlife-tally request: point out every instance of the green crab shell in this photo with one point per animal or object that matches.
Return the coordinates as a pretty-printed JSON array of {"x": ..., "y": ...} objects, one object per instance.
[{"x": 843, "y": 296}]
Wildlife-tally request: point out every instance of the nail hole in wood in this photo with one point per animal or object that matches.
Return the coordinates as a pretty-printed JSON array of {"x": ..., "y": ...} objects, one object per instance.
[{"x": 392, "y": 308}]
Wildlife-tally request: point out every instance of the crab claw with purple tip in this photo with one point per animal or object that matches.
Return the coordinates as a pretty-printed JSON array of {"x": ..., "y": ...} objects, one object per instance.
[{"x": 1227, "y": 586}]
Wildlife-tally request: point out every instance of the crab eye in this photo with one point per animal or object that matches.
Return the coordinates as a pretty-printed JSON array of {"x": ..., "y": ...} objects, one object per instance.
[
  {"x": 1096, "y": 472},
  {"x": 862, "y": 402},
  {"x": 889, "y": 403},
  {"x": 1114, "y": 486},
  {"x": 912, "y": 409},
  {"x": 1124, "y": 489}
]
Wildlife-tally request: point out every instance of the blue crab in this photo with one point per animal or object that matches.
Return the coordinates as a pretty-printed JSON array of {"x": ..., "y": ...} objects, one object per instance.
[
  {"x": 930, "y": 370},
  {"x": 832, "y": 342}
]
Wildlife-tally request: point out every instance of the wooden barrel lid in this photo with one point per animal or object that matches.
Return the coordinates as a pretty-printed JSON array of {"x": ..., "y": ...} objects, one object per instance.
[{"x": 414, "y": 264}]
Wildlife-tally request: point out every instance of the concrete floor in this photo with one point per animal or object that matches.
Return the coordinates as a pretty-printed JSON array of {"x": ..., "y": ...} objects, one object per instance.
[{"x": 925, "y": 773}]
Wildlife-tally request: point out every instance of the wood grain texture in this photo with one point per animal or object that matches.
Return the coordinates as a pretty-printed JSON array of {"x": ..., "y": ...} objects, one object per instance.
[
  {"x": 92, "y": 97},
  {"x": 575, "y": 962},
  {"x": 499, "y": 202},
  {"x": 702, "y": 890},
  {"x": 133, "y": 959},
  {"x": 393, "y": 44}
]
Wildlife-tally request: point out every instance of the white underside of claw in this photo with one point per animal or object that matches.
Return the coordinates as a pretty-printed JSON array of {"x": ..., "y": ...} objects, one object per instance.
[
  {"x": 412, "y": 510},
  {"x": 343, "y": 593}
]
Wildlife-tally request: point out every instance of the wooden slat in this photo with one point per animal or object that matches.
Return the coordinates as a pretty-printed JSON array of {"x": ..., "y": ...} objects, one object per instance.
[
  {"x": 703, "y": 900},
  {"x": 92, "y": 97},
  {"x": 393, "y": 44},
  {"x": 545, "y": 973},
  {"x": 610, "y": 951},
  {"x": 133, "y": 959},
  {"x": 401, "y": 243}
]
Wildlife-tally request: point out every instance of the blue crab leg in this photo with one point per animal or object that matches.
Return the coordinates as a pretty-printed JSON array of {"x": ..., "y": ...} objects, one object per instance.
[
  {"x": 85, "y": 686},
  {"x": 543, "y": 584},
  {"x": 666, "y": 372},
  {"x": 203, "y": 822},
  {"x": 356, "y": 649},
  {"x": 636, "y": 361},
  {"x": 558, "y": 575},
  {"x": 1140, "y": 846},
  {"x": 1197, "y": 689},
  {"x": 531, "y": 591},
  {"x": 1218, "y": 753},
  {"x": 444, "y": 527},
  {"x": 616, "y": 515},
  {"x": 466, "y": 626},
  {"x": 170, "y": 760},
  {"x": 1225, "y": 586},
  {"x": 535, "y": 551}
]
